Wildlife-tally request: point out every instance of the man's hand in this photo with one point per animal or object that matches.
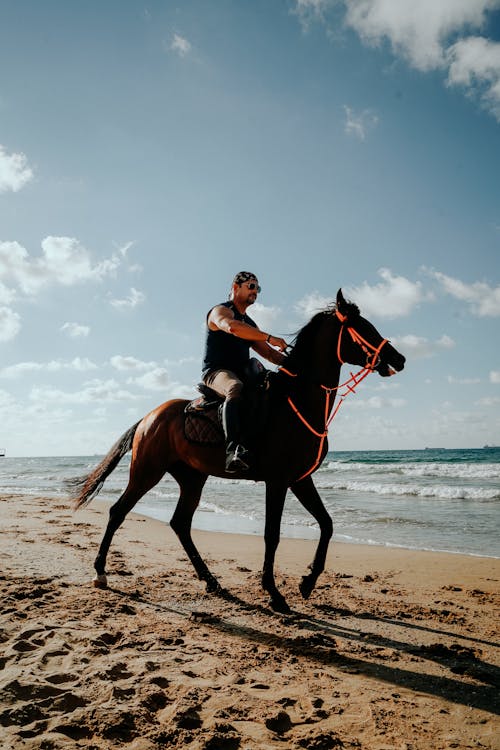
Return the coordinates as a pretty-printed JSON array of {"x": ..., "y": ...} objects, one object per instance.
[{"x": 277, "y": 342}]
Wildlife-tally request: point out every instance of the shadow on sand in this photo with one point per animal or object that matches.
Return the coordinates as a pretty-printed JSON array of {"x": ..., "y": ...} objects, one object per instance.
[{"x": 320, "y": 647}]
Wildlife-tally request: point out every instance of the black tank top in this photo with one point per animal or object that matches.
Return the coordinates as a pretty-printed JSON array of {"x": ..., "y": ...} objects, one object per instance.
[{"x": 223, "y": 351}]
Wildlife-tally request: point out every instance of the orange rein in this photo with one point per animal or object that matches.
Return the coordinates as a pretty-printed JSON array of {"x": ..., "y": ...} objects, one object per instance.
[{"x": 355, "y": 379}]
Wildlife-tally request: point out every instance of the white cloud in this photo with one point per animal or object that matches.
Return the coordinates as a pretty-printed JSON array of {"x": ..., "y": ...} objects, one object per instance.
[
  {"x": 265, "y": 317},
  {"x": 309, "y": 11},
  {"x": 77, "y": 364},
  {"x": 462, "y": 381},
  {"x": 377, "y": 402},
  {"x": 123, "y": 249},
  {"x": 120, "y": 362},
  {"x": 428, "y": 34},
  {"x": 93, "y": 391},
  {"x": 495, "y": 376},
  {"x": 20, "y": 369},
  {"x": 6, "y": 399},
  {"x": 416, "y": 30},
  {"x": 394, "y": 297},
  {"x": 488, "y": 401},
  {"x": 178, "y": 390},
  {"x": 181, "y": 362},
  {"x": 10, "y": 324},
  {"x": 14, "y": 171},
  {"x": 81, "y": 364},
  {"x": 135, "y": 298},
  {"x": 64, "y": 261},
  {"x": 417, "y": 347},
  {"x": 475, "y": 62},
  {"x": 6, "y": 295},
  {"x": 75, "y": 330},
  {"x": 180, "y": 45},
  {"x": 312, "y": 303},
  {"x": 359, "y": 124},
  {"x": 69, "y": 263},
  {"x": 156, "y": 379},
  {"x": 483, "y": 300}
]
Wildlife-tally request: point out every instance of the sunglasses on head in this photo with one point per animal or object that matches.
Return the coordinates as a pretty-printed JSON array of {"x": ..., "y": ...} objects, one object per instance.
[{"x": 252, "y": 285}]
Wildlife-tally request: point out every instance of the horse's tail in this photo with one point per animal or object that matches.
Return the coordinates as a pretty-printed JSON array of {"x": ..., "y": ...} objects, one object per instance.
[{"x": 84, "y": 489}]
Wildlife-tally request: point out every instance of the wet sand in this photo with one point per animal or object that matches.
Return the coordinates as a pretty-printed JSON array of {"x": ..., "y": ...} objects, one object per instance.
[{"x": 395, "y": 650}]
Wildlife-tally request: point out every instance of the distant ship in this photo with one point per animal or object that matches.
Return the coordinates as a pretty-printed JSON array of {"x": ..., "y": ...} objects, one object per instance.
[{"x": 2, "y": 452}]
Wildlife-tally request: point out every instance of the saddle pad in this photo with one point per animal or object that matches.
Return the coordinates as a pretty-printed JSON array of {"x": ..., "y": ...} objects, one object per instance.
[{"x": 203, "y": 427}]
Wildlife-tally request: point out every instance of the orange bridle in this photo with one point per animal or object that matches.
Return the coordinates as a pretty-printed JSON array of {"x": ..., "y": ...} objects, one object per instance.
[
  {"x": 349, "y": 385},
  {"x": 363, "y": 343}
]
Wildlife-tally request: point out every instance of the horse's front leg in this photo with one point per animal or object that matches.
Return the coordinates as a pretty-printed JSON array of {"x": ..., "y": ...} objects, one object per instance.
[
  {"x": 275, "y": 500},
  {"x": 307, "y": 494},
  {"x": 191, "y": 483}
]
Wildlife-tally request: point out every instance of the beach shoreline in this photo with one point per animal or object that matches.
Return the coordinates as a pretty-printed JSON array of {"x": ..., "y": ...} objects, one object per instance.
[
  {"x": 395, "y": 648},
  {"x": 428, "y": 500}
]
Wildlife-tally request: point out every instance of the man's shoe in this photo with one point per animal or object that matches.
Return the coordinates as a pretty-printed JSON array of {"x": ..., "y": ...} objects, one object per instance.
[{"x": 237, "y": 460}]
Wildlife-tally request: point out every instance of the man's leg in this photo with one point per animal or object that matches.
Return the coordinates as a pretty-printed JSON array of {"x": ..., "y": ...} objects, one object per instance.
[{"x": 227, "y": 384}]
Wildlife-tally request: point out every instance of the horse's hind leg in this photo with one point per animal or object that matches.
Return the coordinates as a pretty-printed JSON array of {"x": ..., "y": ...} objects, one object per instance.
[
  {"x": 117, "y": 513},
  {"x": 307, "y": 494},
  {"x": 191, "y": 483}
]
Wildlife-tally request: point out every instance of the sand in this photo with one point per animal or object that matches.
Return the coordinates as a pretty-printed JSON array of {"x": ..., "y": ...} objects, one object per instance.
[{"x": 395, "y": 650}]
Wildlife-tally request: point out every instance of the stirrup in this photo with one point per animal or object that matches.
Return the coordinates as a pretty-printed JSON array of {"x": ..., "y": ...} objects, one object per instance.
[{"x": 237, "y": 460}]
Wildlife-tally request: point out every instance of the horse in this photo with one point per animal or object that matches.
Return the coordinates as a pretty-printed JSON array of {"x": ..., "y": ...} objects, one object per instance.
[{"x": 289, "y": 450}]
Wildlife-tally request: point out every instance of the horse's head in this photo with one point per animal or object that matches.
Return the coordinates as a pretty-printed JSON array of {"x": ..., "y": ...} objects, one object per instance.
[{"x": 359, "y": 342}]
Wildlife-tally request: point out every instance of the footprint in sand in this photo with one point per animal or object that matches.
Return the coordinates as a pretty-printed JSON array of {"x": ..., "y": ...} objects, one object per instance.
[
  {"x": 155, "y": 701},
  {"x": 38, "y": 702},
  {"x": 224, "y": 737},
  {"x": 34, "y": 730},
  {"x": 117, "y": 672},
  {"x": 60, "y": 678},
  {"x": 75, "y": 731},
  {"x": 24, "y": 646},
  {"x": 122, "y": 693},
  {"x": 322, "y": 741},
  {"x": 55, "y": 654},
  {"x": 160, "y": 681},
  {"x": 31, "y": 638}
]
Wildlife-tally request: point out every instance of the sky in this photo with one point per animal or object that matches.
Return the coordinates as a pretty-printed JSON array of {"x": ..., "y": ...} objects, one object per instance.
[{"x": 151, "y": 149}]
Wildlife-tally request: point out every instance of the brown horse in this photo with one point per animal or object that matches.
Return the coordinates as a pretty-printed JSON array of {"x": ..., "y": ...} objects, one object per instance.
[{"x": 292, "y": 446}]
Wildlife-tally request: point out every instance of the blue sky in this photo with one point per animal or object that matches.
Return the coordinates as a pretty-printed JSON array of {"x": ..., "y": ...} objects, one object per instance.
[{"x": 150, "y": 150}]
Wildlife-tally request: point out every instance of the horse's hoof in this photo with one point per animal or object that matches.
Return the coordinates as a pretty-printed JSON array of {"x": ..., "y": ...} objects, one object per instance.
[
  {"x": 278, "y": 603},
  {"x": 100, "y": 581},
  {"x": 305, "y": 587},
  {"x": 214, "y": 587}
]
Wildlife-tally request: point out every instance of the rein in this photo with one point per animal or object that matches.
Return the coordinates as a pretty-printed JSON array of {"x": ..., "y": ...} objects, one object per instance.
[{"x": 355, "y": 379}]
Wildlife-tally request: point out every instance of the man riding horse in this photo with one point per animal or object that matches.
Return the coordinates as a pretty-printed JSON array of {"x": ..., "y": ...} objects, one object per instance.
[
  {"x": 292, "y": 447},
  {"x": 230, "y": 334}
]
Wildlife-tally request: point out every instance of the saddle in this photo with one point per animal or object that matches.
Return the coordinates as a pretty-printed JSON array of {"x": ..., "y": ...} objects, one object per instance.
[
  {"x": 203, "y": 418},
  {"x": 203, "y": 415}
]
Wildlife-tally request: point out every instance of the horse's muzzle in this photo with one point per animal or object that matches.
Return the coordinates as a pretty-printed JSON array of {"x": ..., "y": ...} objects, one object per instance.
[{"x": 391, "y": 363}]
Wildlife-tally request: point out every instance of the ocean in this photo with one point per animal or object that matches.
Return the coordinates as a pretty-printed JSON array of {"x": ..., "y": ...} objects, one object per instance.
[{"x": 432, "y": 499}]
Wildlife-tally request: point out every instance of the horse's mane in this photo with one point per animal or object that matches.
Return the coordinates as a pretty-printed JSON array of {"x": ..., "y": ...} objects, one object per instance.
[{"x": 303, "y": 341}]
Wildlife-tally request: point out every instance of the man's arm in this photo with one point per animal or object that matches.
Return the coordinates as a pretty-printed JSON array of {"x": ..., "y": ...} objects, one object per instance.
[
  {"x": 268, "y": 352},
  {"x": 222, "y": 319}
]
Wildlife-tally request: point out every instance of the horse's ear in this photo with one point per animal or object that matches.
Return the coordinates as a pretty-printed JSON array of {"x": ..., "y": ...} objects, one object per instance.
[{"x": 341, "y": 303}]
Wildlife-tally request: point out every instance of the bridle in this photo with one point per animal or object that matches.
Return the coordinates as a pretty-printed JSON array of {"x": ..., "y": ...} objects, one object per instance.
[
  {"x": 357, "y": 338},
  {"x": 372, "y": 361}
]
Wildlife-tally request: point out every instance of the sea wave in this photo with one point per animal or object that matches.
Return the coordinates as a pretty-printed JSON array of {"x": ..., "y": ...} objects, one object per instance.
[
  {"x": 436, "y": 470},
  {"x": 446, "y": 492},
  {"x": 210, "y": 507}
]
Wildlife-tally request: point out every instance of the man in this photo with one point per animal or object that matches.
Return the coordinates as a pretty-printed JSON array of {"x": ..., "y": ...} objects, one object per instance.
[{"x": 230, "y": 334}]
